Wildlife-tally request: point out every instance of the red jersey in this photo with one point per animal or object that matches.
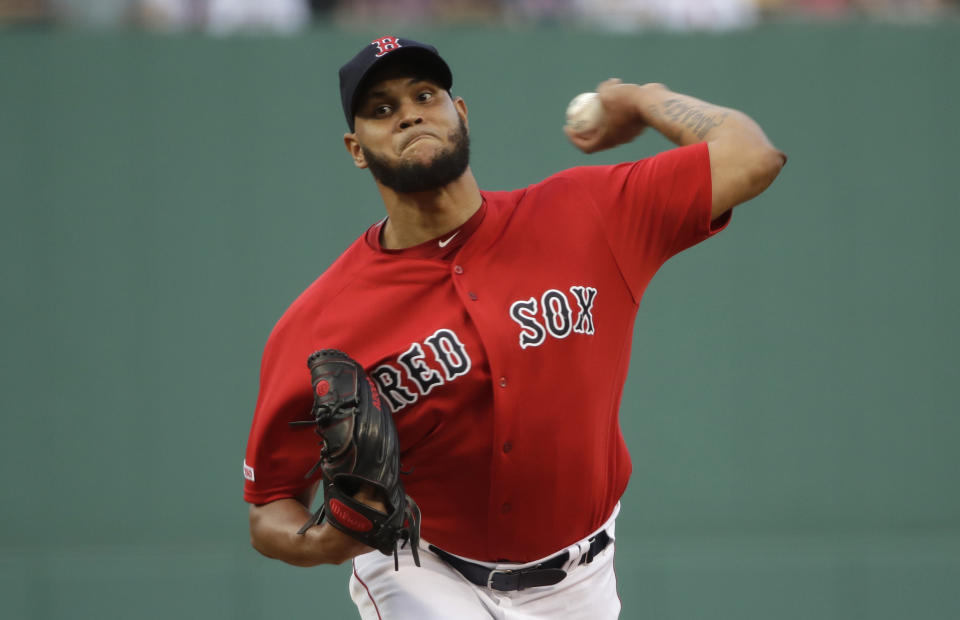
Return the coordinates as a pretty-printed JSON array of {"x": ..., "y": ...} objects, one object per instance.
[{"x": 502, "y": 362}]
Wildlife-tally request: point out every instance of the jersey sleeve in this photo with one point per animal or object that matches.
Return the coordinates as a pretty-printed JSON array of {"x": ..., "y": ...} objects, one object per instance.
[
  {"x": 278, "y": 456},
  {"x": 653, "y": 208}
]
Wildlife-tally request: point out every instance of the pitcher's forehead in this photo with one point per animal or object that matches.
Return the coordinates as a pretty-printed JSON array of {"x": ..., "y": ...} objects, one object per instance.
[{"x": 400, "y": 69}]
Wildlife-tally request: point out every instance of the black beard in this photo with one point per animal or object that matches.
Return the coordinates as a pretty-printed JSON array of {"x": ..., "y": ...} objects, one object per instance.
[{"x": 409, "y": 177}]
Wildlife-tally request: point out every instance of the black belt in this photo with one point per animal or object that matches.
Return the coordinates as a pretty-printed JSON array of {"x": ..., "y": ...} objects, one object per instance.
[{"x": 546, "y": 573}]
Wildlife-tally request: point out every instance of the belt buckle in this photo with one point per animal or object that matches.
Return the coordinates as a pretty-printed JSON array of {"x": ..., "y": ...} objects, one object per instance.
[
  {"x": 587, "y": 556},
  {"x": 496, "y": 571}
]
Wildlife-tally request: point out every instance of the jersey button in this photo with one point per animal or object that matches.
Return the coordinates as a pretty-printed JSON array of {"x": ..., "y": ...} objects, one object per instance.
[
  {"x": 458, "y": 269},
  {"x": 505, "y": 508},
  {"x": 472, "y": 295},
  {"x": 508, "y": 446},
  {"x": 503, "y": 382}
]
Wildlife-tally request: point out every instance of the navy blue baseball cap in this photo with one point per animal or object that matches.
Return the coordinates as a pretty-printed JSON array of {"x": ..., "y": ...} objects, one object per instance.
[{"x": 353, "y": 74}]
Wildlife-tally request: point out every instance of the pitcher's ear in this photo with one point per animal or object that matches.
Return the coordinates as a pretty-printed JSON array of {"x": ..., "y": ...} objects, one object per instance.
[{"x": 356, "y": 152}]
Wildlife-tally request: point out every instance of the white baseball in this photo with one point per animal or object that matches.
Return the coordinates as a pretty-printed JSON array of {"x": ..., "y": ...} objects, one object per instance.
[{"x": 584, "y": 113}]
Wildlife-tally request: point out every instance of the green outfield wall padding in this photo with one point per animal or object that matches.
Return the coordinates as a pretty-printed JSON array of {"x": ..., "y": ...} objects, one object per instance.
[{"x": 791, "y": 408}]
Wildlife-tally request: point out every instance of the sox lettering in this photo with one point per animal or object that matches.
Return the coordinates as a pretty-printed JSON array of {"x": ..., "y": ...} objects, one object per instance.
[
  {"x": 449, "y": 353},
  {"x": 557, "y": 315},
  {"x": 585, "y": 296}
]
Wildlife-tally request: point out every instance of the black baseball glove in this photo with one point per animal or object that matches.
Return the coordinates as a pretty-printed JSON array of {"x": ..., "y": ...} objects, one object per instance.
[{"x": 360, "y": 447}]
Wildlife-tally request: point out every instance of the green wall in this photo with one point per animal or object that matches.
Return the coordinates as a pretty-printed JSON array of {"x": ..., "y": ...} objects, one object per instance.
[{"x": 792, "y": 404}]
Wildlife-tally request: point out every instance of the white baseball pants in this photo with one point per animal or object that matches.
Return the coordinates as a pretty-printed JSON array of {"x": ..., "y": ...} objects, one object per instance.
[{"x": 436, "y": 591}]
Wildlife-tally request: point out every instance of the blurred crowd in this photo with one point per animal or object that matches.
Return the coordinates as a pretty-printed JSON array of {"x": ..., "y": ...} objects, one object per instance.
[{"x": 282, "y": 16}]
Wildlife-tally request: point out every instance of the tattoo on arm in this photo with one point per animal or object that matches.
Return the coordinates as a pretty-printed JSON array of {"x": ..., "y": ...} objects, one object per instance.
[{"x": 698, "y": 119}]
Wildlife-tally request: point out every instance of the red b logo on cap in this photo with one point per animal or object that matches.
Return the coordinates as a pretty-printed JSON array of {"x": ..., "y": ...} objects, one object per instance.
[{"x": 386, "y": 45}]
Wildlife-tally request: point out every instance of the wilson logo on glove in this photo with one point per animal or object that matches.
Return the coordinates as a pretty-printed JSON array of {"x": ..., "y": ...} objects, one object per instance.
[{"x": 350, "y": 517}]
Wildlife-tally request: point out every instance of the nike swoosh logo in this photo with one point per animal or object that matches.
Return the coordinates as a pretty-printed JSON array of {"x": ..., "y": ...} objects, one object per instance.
[{"x": 443, "y": 244}]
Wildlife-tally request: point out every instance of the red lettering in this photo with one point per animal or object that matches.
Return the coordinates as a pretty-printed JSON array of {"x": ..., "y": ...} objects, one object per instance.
[
  {"x": 374, "y": 394},
  {"x": 349, "y": 517}
]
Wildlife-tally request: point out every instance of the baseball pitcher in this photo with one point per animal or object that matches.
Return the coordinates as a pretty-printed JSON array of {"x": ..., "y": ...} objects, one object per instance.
[{"x": 447, "y": 392}]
